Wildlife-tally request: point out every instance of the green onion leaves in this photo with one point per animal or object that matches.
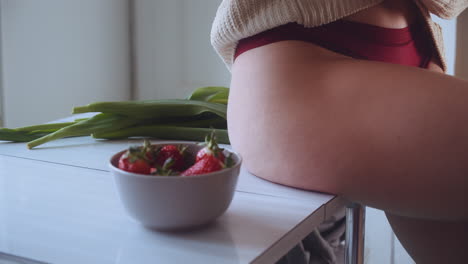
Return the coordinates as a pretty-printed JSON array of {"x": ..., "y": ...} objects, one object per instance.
[{"x": 179, "y": 119}]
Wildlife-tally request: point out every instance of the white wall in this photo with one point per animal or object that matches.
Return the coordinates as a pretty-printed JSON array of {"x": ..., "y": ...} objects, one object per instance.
[
  {"x": 449, "y": 30},
  {"x": 57, "y": 54},
  {"x": 173, "y": 51},
  {"x": 1, "y": 76}
]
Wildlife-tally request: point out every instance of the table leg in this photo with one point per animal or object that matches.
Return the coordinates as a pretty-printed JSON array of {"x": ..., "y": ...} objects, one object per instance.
[{"x": 355, "y": 218}]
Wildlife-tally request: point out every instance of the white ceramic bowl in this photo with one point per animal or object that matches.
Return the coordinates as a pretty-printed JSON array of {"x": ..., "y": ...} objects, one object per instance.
[{"x": 176, "y": 202}]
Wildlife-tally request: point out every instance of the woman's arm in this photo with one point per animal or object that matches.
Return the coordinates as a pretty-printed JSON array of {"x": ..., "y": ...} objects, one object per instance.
[{"x": 390, "y": 136}]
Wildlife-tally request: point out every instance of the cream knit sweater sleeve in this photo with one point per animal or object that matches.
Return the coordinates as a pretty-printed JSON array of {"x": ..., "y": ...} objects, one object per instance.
[{"x": 446, "y": 9}]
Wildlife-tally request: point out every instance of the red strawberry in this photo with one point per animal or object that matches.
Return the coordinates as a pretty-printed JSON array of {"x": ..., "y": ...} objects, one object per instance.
[
  {"x": 206, "y": 165},
  {"x": 211, "y": 149},
  {"x": 134, "y": 160},
  {"x": 170, "y": 152}
]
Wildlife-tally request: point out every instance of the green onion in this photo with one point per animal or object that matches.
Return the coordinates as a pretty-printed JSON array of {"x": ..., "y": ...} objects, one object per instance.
[
  {"x": 165, "y": 132},
  {"x": 201, "y": 122},
  {"x": 203, "y": 111},
  {"x": 29, "y": 133},
  {"x": 19, "y": 136},
  {"x": 103, "y": 122},
  {"x": 155, "y": 108},
  {"x": 214, "y": 94},
  {"x": 51, "y": 126}
]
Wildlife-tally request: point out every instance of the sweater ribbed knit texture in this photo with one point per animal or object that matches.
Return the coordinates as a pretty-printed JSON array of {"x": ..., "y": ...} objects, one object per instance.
[{"x": 239, "y": 19}]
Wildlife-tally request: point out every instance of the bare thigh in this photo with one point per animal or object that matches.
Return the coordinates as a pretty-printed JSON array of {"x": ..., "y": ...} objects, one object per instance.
[{"x": 432, "y": 241}]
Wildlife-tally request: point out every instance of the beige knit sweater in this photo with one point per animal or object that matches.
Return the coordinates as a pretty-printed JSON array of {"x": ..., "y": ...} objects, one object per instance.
[{"x": 238, "y": 19}]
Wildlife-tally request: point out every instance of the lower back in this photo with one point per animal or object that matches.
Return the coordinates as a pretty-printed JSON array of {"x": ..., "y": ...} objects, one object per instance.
[{"x": 389, "y": 14}]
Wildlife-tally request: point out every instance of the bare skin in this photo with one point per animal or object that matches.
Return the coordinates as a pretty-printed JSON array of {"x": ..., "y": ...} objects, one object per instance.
[{"x": 389, "y": 136}]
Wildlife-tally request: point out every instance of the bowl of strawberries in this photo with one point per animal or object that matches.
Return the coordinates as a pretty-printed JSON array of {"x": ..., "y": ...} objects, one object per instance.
[{"x": 174, "y": 185}]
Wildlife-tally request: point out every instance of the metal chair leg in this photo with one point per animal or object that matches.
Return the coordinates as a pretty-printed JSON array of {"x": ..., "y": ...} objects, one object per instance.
[{"x": 355, "y": 219}]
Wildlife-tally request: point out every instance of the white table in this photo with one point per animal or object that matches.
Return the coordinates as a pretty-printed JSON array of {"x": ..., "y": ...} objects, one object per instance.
[{"x": 58, "y": 205}]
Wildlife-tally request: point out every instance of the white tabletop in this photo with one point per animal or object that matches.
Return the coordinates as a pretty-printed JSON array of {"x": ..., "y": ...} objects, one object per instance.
[{"x": 58, "y": 205}]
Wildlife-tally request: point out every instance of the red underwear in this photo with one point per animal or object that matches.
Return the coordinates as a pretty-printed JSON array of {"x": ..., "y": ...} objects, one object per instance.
[{"x": 407, "y": 46}]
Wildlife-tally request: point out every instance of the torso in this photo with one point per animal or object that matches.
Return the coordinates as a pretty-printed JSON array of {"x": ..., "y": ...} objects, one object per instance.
[{"x": 389, "y": 14}]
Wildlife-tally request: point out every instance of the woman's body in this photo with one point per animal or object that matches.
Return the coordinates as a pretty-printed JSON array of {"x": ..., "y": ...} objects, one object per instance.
[{"x": 389, "y": 136}]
